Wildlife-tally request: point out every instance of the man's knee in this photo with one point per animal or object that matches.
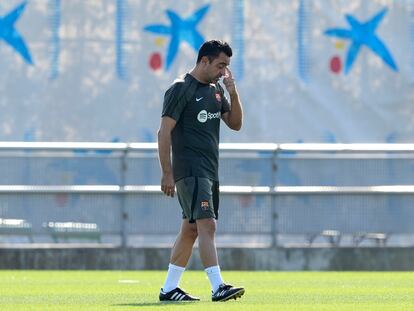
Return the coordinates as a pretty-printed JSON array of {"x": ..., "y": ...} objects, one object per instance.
[
  {"x": 189, "y": 232},
  {"x": 206, "y": 226}
]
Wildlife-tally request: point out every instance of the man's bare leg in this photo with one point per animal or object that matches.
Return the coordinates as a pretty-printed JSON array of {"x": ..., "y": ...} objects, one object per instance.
[
  {"x": 206, "y": 229},
  {"x": 180, "y": 255},
  {"x": 183, "y": 246},
  {"x": 208, "y": 253}
]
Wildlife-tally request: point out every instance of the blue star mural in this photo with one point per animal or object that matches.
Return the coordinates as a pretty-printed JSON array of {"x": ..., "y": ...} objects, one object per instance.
[
  {"x": 9, "y": 34},
  {"x": 180, "y": 30},
  {"x": 361, "y": 34}
]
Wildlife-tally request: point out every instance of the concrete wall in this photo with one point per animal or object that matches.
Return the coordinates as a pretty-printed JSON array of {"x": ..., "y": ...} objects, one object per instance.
[{"x": 384, "y": 258}]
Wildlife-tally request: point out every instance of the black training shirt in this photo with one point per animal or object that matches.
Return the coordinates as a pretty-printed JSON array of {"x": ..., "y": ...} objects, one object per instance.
[{"x": 197, "y": 107}]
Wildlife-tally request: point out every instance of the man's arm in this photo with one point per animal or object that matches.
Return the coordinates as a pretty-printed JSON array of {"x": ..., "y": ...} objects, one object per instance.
[
  {"x": 164, "y": 151},
  {"x": 233, "y": 118}
]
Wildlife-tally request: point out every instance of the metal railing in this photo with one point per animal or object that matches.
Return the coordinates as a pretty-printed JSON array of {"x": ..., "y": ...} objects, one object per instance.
[{"x": 264, "y": 180}]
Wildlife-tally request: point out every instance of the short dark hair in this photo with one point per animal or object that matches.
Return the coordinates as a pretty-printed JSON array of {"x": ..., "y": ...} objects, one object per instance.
[{"x": 212, "y": 50}]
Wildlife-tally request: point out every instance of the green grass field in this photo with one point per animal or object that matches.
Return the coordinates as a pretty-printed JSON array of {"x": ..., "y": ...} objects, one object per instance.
[{"x": 129, "y": 290}]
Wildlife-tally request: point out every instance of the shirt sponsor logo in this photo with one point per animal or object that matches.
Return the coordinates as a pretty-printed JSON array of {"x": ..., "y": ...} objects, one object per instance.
[
  {"x": 198, "y": 99},
  {"x": 203, "y": 116}
]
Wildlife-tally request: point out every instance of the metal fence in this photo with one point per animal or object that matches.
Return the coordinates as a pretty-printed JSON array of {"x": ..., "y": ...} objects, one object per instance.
[{"x": 271, "y": 194}]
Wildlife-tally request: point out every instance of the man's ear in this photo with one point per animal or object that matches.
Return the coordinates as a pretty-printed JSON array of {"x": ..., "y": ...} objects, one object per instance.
[{"x": 205, "y": 60}]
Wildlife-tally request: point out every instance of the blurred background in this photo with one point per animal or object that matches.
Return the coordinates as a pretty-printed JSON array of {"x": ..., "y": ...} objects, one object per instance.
[{"x": 324, "y": 161}]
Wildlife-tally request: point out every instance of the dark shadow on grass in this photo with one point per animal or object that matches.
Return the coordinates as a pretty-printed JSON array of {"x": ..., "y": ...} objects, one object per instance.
[{"x": 155, "y": 304}]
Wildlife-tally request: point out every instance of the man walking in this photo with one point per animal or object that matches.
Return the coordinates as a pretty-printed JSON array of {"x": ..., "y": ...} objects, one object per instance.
[{"x": 190, "y": 125}]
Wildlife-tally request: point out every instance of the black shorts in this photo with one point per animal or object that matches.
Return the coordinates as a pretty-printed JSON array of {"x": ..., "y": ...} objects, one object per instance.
[{"x": 198, "y": 197}]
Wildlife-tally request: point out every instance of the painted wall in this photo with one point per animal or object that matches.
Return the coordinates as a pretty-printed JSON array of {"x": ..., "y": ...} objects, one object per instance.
[{"x": 307, "y": 70}]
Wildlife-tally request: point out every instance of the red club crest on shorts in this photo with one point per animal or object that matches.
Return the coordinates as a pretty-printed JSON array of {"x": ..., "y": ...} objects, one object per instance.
[
  {"x": 218, "y": 97},
  {"x": 204, "y": 205}
]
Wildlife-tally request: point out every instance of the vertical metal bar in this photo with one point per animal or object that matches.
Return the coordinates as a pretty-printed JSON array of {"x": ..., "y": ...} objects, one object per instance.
[
  {"x": 122, "y": 193},
  {"x": 274, "y": 215}
]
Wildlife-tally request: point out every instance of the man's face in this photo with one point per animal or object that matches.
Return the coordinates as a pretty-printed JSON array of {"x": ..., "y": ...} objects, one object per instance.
[{"x": 215, "y": 69}]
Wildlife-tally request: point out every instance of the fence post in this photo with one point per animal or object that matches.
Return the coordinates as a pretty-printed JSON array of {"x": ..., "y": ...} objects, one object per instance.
[
  {"x": 274, "y": 215},
  {"x": 122, "y": 193}
]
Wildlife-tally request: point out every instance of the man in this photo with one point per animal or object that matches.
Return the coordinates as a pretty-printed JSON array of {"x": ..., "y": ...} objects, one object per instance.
[{"x": 190, "y": 124}]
